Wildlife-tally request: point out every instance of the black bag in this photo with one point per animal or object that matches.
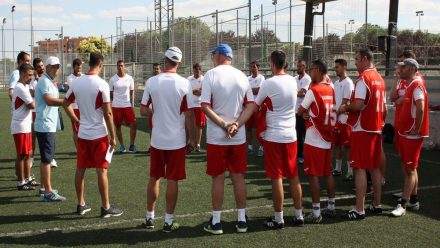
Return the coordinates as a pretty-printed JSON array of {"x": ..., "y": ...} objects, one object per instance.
[{"x": 388, "y": 133}]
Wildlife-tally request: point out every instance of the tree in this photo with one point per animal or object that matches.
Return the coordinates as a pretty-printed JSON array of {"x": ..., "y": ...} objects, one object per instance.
[
  {"x": 94, "y": 44},
  {"x": 267, "y": 35}
]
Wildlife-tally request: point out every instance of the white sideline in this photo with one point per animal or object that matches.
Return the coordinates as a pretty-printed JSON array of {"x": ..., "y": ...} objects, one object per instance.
[{"x": 90, "y": 226}]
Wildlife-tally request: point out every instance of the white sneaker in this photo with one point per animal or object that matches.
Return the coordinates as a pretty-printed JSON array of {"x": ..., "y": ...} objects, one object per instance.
[
  {"x": 53, "y": 164},
  {"x": 413, "y": 207},
  {"x": 398, "y": 211},
  {"x": 397, "y": 195}
]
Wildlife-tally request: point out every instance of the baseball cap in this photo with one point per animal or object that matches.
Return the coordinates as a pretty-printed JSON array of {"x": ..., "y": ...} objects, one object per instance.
[
  {"x": 409, "y": 62},
  {"x": 224, "y": 49},
  {"x": 52, "y": 61},
  {"x": 174, "y": 54}
]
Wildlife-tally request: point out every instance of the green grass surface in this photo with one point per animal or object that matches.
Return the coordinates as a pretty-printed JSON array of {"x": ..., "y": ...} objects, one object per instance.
[{"x": 27, "y": 221}]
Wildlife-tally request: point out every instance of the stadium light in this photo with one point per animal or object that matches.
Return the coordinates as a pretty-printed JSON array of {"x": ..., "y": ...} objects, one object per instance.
[
  {"x": 3, "y": 48},
  {"x": 419, "y": 13},
  {"x": 13, "y": 33}
]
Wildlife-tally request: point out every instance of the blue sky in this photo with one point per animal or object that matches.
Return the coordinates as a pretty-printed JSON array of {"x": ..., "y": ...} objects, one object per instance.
[{"x": 94, "y": 17}]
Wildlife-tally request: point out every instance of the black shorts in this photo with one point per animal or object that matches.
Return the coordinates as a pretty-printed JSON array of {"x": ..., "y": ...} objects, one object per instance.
[{"x": 46, "y": 143}]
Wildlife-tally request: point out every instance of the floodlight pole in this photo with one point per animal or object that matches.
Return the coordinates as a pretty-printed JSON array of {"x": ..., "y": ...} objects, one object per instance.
[
  {"x": 250, "y": 30},
  {"x": 13, "y": 34}
]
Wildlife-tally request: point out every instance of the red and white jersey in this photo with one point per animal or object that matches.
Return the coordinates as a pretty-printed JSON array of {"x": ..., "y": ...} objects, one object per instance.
[
  {"x": 400, "y": 90},
  {"x": 170, "y": 95},
  {"x": 370, "y": 88},
  {"x": 21, "y": 114},
  {"x": 343, "y": 91},
  {"x": 69, "y": 81},
  {"x": 121, "y": 87},
  {"x": 227, "y": 90},
  {"x": 302, "y": 83},
  {"x": 90, "y": 92},
  {"x": 255, "y": 82},
  {"x": 320, "y": 101},
  {"x": 279, "y": 93},
  {"x": 415, "y": 91},
  {"x": 196, "y": 83}
]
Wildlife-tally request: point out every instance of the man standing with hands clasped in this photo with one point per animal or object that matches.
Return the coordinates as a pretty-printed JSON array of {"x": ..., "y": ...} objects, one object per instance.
[
  {"x": 92, "y": 94},
  {"x": 227, "y": 101}
]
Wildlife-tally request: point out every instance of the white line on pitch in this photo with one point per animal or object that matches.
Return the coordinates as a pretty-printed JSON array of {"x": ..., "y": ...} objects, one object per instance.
[{"x": 105, "y": 224}]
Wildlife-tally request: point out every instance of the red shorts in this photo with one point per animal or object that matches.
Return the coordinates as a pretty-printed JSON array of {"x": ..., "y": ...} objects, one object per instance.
[
  {"x": 222, "y": 158},
  {"x": 169, "y": 164},
  {"x": 91, "y": 153},
  {"x": 410, "y": 151},
  {"x": 342, "y": 134},
  {"x": 199, "y": 117},
  {"x": 366, "y": 150},
  {"x": 280, "y": 159},
  {"x": 317, "y": 161},
  {"x": 252, "y": 122},
  {"x": 123, "y": 115},
  {"x": 75, "y": 127},
  {"x": 34, "y": 115},
  {"x": 23, "y": 143}
]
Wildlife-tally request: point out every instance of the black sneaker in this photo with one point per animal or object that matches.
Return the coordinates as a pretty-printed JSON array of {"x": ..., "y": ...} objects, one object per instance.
[
  {"x": 33, "y": 183},
  {"x": 169, "y": 228},
  {"x": 336, "y": 173},
  {"x": 242, "y": 226},
  {"x": 149, "y": 223},
  {"x": 216, "y": 229},
  {"x": 354, "y": 215},
  {"x": 310, "y": 218},
  {"x": 298, "y": 221},
  {"x": 111, "y": 212},
  {"x": 375, "y": 209},
  {"x": 272, "y": 224},
  {"x": 81, "y": 210},
  {"x": 329, "y": 213},
  {"x": 25, "y": 187}
]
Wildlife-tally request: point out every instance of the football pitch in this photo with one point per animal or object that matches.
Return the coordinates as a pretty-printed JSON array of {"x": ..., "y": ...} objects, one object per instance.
[{"x": 25, "y": 220}]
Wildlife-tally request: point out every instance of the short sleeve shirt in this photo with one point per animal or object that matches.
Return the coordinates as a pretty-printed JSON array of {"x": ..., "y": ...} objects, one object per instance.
[
  {"x": 343, "y": 90},
  {"x": 196, "y": 83},
  {"x": 121, "y": 87},
  {"x": 70, "y": 81},
  {"x": 46, "y": 116},
  {"x": 255, "y": 82},
  {"x": 302, "y": 83},
  {"x": 21, "y": 113}
]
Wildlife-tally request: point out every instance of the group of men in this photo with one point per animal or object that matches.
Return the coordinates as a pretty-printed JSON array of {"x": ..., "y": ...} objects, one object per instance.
[{"x": 297, "y": 120}]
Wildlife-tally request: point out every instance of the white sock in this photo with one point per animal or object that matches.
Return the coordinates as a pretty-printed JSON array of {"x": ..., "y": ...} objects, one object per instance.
[
  {"x": 250, "y": 147},
  {"x": 260, "y": 148},
  {"x": 149, "y": 215},
  {"x": 241, "y": 214},
  {"x": 216, "y": 217},
  {"x": 298, "y": 213},
  {"x": 316, "y": 209},
  {"x": 169, "y": 218},
  {"x": 331, "y": 204},
  {"x": 279, "y": 217},
  {"x": 349, "y": 168},
  {"x": 338, "y": 166}
]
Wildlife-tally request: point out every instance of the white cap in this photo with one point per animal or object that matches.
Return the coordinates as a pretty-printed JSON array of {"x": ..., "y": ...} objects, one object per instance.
[
  {"x": 52, "y": 61},
  {"x": 174, "y": 54}
]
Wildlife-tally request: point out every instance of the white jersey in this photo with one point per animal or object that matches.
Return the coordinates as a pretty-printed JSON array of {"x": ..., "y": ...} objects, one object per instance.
[
  {"x": 343, "y": 91},
  {"x": 302, "y": 83},
  {"x": 21, "y": 114},
  {"x": 196, "y": 83},
  {"x": 255, "y": 82},
  {"x": 280, "y": 94},
  {"x": 90, "y": 92},
  {"x": 33, "y": 86},
  {"x": 69, "y": 81},
  {"x": 313, "y": 137},
  {"x": 170, "y": 95},
  {"x": 121, "y": 87},
  {"x": 226, "y": 89}
]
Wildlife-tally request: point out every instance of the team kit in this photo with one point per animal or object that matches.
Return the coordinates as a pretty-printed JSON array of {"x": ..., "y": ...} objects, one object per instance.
[{"x": 304, "y": 119}]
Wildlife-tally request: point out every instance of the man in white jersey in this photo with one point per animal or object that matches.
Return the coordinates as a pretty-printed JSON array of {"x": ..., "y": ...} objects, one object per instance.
[
  {"x": 255, "y": 81},
  {"x": 21, "y": 126},
  {"x": 303, "y": 81},
  {"x": 156, "y": 71},
  {"x": 278, "y": 95},
  {"x": 93, "y": 97},
  {"x": 122, "y": 95},
  {"x": 38, "y": 65},
  {"x": 22, "y": 58},
  {"x": 227, "y": 100},
  {"x": 343, "y": 90},
  {"x": 200, "y": 119},
  {"x": 171, "y": 97},
  {"x": 76, "y": 73}
]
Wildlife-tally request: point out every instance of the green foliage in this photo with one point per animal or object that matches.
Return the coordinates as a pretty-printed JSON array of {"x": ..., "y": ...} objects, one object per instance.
[{"x": 94, "y": 44}]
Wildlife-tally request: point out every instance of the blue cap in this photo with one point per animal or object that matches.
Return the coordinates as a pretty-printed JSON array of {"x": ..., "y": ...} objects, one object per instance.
[
  {"x": 409, "y": 62},
  {"x": 224, "y": 49}
]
